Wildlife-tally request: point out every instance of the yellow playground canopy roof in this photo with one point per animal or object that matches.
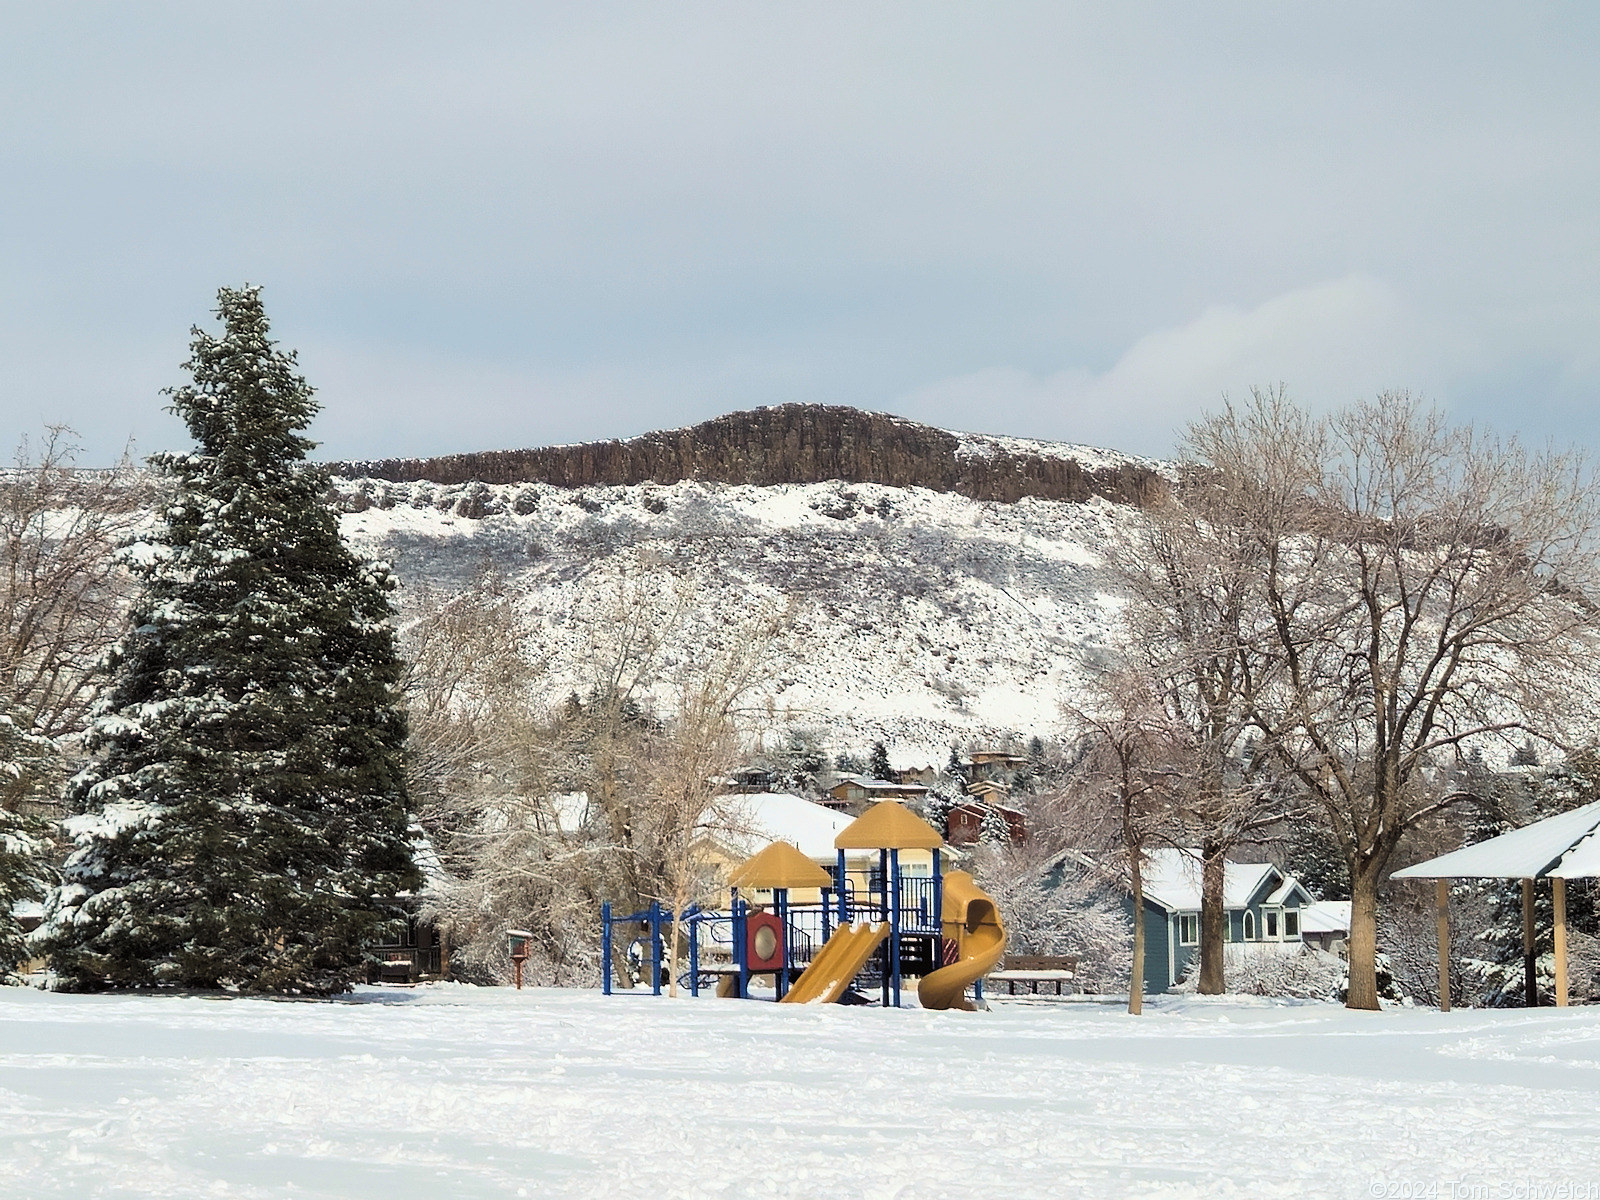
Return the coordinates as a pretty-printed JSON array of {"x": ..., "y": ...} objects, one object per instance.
[
  {"x": 780, "y": 865},
  {"x": 888, "y": 825}
]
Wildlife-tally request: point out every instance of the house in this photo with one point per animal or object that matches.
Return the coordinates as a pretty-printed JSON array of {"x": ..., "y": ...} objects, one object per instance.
[
  {"x": 995, "y": 765},
  {"x": 927, "y": 776},
  {"x": 1263, "y": 908},
  {"x": 1325, "y": 924},
  {"x": 750, "y": 779},
  {"x": 414, "y": 948},
  {"x": 29, "y": 915},
  {"x": 964, "y": 823},
  {"x": 859, "y": 789},
  {"x": 989, "y": 791}
]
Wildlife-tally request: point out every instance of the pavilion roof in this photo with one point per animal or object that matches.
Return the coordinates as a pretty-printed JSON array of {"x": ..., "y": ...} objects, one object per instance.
[{"x": 1564, "y": 846}]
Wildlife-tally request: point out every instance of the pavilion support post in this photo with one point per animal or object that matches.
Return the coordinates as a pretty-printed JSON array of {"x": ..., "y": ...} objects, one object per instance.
[
  {"x": 1442, "y": 904},
  {"x": 1559, "y": 887},
  {"x": 1530, "y": 979}
]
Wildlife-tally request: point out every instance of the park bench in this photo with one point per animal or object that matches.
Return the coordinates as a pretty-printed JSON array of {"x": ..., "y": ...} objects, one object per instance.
[{"x": 1034, "y": 969}]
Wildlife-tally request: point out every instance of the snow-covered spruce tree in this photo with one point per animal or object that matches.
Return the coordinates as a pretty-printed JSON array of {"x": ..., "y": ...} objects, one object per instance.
[
  {"x": 29, "y": 772},
  {"x": 878, "y": 763},
  {"x": 244, "y": 816},
  {"x": 946, "y": 793},
  {"x": 993, "y": 830}
]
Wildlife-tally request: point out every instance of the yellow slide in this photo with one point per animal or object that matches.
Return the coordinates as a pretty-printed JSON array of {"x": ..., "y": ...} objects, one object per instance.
[
  {"x": 830, "y": 973},
  {"x": 972, "y": 921}
]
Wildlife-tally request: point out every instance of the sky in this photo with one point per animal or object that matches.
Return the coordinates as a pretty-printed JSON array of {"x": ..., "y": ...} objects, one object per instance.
[{"x": 502, "y": 225}]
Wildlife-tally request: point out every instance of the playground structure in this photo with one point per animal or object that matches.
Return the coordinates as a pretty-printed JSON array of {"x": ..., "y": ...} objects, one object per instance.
[{"x": 883, "y": 925}]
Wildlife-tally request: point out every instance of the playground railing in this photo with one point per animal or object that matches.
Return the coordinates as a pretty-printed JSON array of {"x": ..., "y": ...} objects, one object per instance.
[{"x": 919, "y": 905}]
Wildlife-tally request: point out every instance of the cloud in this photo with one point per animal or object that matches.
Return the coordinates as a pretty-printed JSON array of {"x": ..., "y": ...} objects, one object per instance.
[
  {"x": 1330, "y": 343},
  {"x": 510, "y": 223}
]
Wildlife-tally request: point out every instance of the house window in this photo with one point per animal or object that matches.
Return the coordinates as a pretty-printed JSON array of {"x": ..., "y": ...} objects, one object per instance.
[
  {"x": 1291, "y": 922},
  {"x": 1249, "y": 926},
  {"x": 1188, "y": 929},
  {"x": 1270, "y": 916}
]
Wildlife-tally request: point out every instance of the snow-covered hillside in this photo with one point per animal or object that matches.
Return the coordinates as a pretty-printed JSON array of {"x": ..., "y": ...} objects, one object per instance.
[{"x": 919, "y": 617}]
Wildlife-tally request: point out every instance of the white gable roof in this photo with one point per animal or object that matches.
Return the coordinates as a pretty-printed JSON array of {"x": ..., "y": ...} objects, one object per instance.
[
  {"x": 1326, "y": 916},
  {"x": 1562, "y": 845},
  {"x": 763, "y": 817},
  {"x": 1285, "y": 890},
  {"x": 1172, "y": 879}
]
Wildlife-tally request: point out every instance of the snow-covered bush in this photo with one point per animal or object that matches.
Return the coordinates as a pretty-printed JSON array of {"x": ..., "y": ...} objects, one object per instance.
[
  {"x": 1059, "y": 905},
  {"x": 1298, "y": 972}
]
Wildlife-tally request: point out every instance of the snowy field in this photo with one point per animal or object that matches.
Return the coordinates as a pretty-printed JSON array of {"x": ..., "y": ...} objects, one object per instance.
[{"x": 455, "y": 1092}]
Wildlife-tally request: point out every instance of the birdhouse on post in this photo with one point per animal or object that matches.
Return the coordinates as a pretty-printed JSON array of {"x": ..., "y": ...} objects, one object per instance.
[{"x": 520, "y": 938}]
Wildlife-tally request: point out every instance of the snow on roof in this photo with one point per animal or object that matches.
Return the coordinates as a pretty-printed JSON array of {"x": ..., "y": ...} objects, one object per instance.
[
  {"x": 1582, "y": 861},
  {"x": 763, "y": 817},
  {"x": 1562, "y": 845},
  {"x": 1326, "y": 916},
  {"x": 1286, "y": 889},
  {"x": 871, "y": 785},
  {"x": 1172, "y": 879}
]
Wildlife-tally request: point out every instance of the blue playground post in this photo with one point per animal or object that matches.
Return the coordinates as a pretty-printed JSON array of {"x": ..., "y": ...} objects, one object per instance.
[
  {"x": 605, "y": 948},
  {"x": 740, "y": 907},
  {"x": 694, "y": 955},
  {"x": 844, "y": 906},
  {"x": 938, "y": 897},
  {"x": 894, "y": 925},
  {"x": 780, "y": 903},
  {"x": 883, "y": 913},
  {"x": 655, "y": 947}
]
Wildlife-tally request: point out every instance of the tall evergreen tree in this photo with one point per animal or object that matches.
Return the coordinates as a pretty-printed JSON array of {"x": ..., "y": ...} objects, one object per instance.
[
  {"x": 244, "y": 817},
  {"x": 878, "y": 764},
  {"x": 29, "y": 772}
]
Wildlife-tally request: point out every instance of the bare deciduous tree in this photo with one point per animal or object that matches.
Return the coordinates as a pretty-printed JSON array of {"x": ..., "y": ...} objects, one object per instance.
[
  {"x": 1055, "y": 891},
  {"x": 1135, "y": 757},
  {"x": 698, "y": 747},
  {"x": 542, "y": 815},
  {"x": 1190, "y": 569},
  {"x": 62, "y": 593},
  {"x": 1422, "y": 586}
]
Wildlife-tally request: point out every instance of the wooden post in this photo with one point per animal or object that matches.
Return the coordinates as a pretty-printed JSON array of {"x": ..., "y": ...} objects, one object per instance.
[
  {"x": 1442, "y": 902},
  {"x": 1530, "y": 981},
  {"x": 1559, "y": 886}
]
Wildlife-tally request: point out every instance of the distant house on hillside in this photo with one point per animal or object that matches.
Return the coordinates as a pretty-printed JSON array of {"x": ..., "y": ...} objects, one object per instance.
[
  {"x": 989, "y": 791},
  {"x": 964, "y": 823},
  {"x": 992, "y": 765},
  {"x": 859, "y": 789},
  {"x": 750, "y": 779},
  {"x": 1263, "y": 907}
]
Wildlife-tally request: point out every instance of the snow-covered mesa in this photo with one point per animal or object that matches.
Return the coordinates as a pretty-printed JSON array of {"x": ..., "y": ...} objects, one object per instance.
[
  {"x": 918, "y": 617},
  {"x": 449, "y": 1091}
]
